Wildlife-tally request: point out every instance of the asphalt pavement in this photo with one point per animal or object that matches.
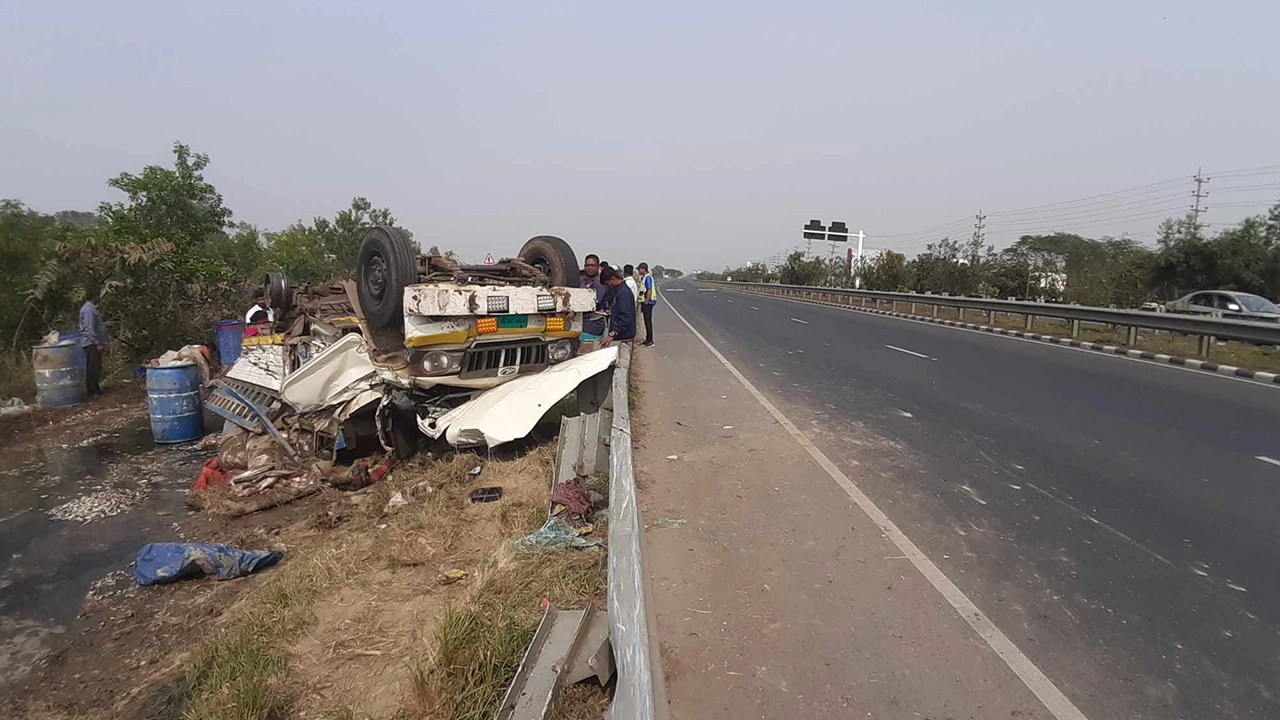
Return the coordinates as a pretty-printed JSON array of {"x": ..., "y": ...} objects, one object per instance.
[{"x": 1118, "y": 520}]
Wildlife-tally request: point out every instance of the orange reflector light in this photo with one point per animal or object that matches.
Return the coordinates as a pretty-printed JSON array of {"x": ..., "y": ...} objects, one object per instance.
[
  {"x": 555, "y": 324},
  {"x": 487, "y": 325}
]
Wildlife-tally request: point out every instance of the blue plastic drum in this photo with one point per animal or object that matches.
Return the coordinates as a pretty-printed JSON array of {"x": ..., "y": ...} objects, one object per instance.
[
  {"x": 59, "y": 374},
  {"x": 229, "y": 334},
  {"x": 74, "y": 336},
  {"x": 173, "y": 396}
]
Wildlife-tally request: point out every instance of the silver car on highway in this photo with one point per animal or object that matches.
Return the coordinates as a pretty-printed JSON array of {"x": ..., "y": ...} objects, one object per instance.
[{"x": 1227, "y": 304}]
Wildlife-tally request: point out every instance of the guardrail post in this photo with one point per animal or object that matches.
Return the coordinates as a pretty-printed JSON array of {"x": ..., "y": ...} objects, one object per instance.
[
  {"x": 1131, "y": 338},
  {"x": 1030, "y": 320},
  {"x": 935, "y": 310},
  {"x": 913, "y": 308},
  {"x": 1203, "y": 343},
  {"x": 1075, "y": 328}
]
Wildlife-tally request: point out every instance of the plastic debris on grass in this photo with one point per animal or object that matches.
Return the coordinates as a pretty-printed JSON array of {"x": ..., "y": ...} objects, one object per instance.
[{"x": 554, "y": 534}]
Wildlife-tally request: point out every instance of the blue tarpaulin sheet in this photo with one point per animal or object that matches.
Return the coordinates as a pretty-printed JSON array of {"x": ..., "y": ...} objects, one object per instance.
[{"x": 160, "y": 563}]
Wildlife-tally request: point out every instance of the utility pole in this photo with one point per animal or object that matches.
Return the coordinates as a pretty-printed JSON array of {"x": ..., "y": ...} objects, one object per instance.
[
  {"x": 1199, "y": 195},
  {"x": 979, "y": 226}
]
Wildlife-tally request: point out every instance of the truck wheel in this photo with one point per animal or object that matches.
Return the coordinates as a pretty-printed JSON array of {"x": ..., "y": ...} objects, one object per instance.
[
  {"x": 554, "y": 258},
  {"x": 385, "y": 267},
  {"x": 276, "y": 290}
]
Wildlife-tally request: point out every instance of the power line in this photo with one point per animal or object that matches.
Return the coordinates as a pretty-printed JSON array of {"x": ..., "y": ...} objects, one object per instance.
[
  {"x": 1162, "y": 199},
  {"x": 1126, "y": 191},
  {"x": 1240, "y": 172}
]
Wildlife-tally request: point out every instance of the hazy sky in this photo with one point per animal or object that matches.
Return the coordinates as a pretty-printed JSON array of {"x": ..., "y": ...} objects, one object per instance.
[{"x": 687, "y": 134}]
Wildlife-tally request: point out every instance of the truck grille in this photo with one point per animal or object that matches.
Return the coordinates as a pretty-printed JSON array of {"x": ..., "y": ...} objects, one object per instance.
[{"x": 503, "y": 359}]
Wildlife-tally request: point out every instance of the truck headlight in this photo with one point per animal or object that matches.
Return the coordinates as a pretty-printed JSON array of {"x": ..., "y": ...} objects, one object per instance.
[
  {"x": 559, "y": 350},
  {"x": 438, "y": 362}
]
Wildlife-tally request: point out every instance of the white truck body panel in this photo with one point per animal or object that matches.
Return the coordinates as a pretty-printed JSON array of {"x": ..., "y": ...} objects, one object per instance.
[{"x": 453, "y": 300}]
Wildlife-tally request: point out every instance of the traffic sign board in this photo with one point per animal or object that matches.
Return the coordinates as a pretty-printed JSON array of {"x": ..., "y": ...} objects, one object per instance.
[{"x": 488, "y": 259}]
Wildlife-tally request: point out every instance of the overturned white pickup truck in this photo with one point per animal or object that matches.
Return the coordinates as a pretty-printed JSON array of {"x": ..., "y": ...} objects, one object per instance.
[{"x": 430, "y": 336}]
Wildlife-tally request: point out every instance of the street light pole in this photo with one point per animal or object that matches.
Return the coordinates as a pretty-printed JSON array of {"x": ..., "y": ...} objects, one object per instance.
[{"x": 857, "y": 281}]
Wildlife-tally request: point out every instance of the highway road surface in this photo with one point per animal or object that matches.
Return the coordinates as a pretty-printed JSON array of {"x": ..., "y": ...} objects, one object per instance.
[{"x": 1118, "y": 521}]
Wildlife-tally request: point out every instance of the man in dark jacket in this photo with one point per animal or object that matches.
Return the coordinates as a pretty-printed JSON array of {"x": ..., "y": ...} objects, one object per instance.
[{"x": 622, "y": 309}]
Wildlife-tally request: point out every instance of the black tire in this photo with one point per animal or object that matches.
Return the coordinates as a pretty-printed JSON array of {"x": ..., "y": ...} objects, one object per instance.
[
  {"x": 276, "y": 290},
  {"x": 553, "y": 257},
  {"x": 385, "y": 267}
]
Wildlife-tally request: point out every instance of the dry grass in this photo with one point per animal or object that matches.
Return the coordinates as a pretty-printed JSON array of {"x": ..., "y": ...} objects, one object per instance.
[
  {"x": 478, "y": 643},
  {"x": 355, "y": 624}
]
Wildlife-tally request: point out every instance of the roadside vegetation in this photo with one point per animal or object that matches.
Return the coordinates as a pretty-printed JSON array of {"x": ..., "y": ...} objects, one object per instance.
[
  {"x": 1104, "y": 271},
  {"x": 168, "y": 259}
]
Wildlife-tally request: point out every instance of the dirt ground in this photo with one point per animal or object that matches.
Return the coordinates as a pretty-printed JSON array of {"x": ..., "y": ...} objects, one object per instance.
[{"x": 358, "y": 621}]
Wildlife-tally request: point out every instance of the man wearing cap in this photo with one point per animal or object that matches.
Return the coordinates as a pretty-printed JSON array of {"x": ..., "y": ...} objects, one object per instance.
[{"x": 648, "y": 298}]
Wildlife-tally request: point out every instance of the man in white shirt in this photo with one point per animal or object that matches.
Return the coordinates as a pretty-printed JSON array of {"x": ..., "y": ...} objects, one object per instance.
[
  {"x": 259, "y": 313},
  {"x": 629, "y": 277}
]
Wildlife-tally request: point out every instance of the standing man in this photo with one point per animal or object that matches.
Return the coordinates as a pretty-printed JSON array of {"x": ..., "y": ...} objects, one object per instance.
[
  {"x": 93, "y": 338},
  {"x": 593, "y": 324},
  {"x": 648, "y": 298},
  {"x": 629, "y": 279},
  {"x": 622, "y": 309}
]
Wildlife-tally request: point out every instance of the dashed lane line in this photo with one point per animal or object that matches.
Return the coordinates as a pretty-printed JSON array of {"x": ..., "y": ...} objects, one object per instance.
[{"x": 909, "y": 352}]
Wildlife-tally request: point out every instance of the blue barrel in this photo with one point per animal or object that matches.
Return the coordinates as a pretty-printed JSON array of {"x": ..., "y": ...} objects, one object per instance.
[
  {"x": 59, "y": 376},
  {"x": 230, "y": 333},
  {"x": 173, "y": 396},
  {"x": 74, "y": 336}
]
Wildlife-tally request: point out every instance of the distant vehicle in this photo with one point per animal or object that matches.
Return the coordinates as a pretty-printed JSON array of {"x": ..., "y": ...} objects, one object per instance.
[{"x": 1226, "y": 304}]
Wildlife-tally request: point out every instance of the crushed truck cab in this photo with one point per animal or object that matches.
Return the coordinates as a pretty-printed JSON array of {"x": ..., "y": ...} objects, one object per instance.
[{"x": 479, "y": 336}]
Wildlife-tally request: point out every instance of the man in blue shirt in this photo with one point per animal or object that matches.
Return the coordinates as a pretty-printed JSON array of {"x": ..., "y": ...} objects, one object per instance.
[
  {"x": 622, "y": 309},
  {"x": 93, "y": 338},
  {"x": 594, "y": 323}
]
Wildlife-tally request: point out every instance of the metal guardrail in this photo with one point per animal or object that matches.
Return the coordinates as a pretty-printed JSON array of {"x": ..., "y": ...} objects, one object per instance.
[
  {"x": 1205, "y": 328},
  {"x": 639, "y": 694}
]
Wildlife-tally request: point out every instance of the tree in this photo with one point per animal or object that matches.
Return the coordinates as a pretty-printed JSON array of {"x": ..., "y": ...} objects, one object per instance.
[
  {"x": 325, "y": 249},
  {"x": 449, "y": 255},
  {"x": 799, "y": 270},
  {"x": 25, "y": 236},
  {"x": 886, "y": 270},
  {"x": 674, "y": 273},
  {"x": 172, "y": 205}
]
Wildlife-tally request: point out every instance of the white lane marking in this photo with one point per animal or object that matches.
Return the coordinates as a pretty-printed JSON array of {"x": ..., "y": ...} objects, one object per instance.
[
  {"x": 728, "y": 301},
  {"x": 1266, "y": 459},
  {"x": 753, "y": 307},
  {"x": 802, "y": 322},
  {"x": 1058, "y": 705},
  {"x": 675, "y": 289},
  {"x": 707, "y": 289},
  {"x": 909, "y": 352}
]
